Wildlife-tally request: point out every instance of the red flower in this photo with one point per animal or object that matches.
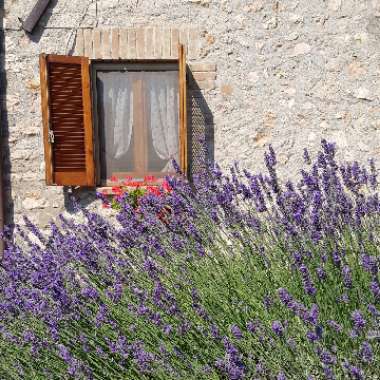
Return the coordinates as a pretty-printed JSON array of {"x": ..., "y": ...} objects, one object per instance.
[
  {"x": 149, "y": 178},
  {"x": 117, "y": 190},
  {"x": 154, "y": 190},
  {"x": 166, "y": 186},
  {"x": 114, "y": 179}
]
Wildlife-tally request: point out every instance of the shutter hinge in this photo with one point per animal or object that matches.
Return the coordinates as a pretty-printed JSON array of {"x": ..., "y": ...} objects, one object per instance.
[{"x": 51, "y": 137}]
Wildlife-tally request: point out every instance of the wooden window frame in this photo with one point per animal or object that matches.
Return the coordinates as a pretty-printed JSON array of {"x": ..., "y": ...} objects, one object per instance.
[{"x": 163, "y": 65}]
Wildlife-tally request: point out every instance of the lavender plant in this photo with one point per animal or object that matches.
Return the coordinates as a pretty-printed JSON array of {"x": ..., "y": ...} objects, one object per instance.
[{"x": 235, "y": 276}]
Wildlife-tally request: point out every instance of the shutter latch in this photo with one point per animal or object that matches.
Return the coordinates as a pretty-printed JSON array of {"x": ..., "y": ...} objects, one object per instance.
[{"x": 51, "y": 137}]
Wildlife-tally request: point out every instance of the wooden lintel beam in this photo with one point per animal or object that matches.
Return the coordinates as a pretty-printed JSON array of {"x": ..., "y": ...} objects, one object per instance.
[{"x": 34, "y": 16}]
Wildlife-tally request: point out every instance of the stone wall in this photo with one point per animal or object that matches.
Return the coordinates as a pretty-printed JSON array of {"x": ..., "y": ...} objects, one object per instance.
[{"x": 265, "y": 71}]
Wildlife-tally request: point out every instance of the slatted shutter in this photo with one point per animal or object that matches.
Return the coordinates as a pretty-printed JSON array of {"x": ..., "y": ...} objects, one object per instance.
[
  {"x": 67, "y": 120},
  {"x": 183, "y": 108}
]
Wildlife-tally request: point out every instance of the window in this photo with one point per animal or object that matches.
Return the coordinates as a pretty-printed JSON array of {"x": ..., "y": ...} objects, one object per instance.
[{"x": 107, "y": 119}]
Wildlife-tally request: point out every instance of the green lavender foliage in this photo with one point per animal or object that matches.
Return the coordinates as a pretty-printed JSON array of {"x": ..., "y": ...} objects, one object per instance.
[{"x": 221, "y": 287}]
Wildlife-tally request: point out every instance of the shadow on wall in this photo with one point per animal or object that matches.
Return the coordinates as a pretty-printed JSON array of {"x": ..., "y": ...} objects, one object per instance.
[
  {"x": 5, "y": 170},
  {"x": 200, "y": 143},
  {"x": 6, "y": 186},
  {"x": 200, "y": 129}
]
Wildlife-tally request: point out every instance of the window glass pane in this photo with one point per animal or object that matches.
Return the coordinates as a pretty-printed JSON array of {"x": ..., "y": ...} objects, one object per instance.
[
  {"x": 138, "y": 122},
  {"x": 163, "y": 144},
  {"x": 115, "y": 115}
]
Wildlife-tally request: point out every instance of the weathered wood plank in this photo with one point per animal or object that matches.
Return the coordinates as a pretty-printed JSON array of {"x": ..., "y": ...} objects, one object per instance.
[
  {"x": 87, "y": 120},
  {"x": 45, "y": 119}
]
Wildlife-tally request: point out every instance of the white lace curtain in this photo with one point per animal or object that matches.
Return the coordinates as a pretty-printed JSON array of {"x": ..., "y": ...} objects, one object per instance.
[
  {"x": 163, "y": 89},
  {"x": 161, "y": 99},
  {"x": 118, "y": 115}
]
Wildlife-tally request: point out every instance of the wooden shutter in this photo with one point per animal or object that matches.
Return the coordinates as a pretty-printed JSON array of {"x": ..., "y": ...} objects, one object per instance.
[
  {"x": 67, "y": 120},
  {"x": 182, "y": 108}
]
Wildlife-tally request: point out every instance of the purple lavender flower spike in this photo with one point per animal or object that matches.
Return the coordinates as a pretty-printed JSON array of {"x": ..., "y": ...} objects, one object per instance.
[
  {"x": 236, "y": 332},
  {"x": 167, "y": 329},
  {"x": 214, "y": 331},
  {"x": 232, "y": 365},
  {"x": 335, "y": 325},
  {"x": 270, "y": 157},
  {"x": 306, "y": 156},
  {"x": 373, "y": 310},
  {"x": 344, "y": 298},
  {"x": 356, "y": 373},
  {"x": 375, "y": 289},
  {"x": 321, "y": 273},
  {"x": 284, "y": 296},
  {"x": 309, "y": 287},
  {"x": 373, "y": 176},
  {"x": 312, "y": 336},
  {"x": 366, "y": 352},
  {"x": 370, "y": 264},
  {"x": 278, "y": 328},
  {"x": 312, "y": 314},
  {"x": 347, "y": 279},
  {"x": 64, "y": 353},
  {"x": 327, "y": 358},
  {"x": 329, "y": 373},
  {"x": 252, "y": 327},
  {"x": 358, "y": 320}
]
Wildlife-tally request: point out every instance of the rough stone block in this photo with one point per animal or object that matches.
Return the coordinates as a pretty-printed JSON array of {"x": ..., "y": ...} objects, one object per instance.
[
  {"x": 174, "y": 42},
  {"x": 226, "y": 89},
  {"x": 207, "y": 84},
  {"x": 123, "y": 48},
  {"x": 202, "y": 67},
  {"x": 140, "y": 43},
  {"x": 79, "y": 43},
  {"x": 149, "y": 43},
  {"x": 334, "y": 5},
  {"x": 97, "y": 44},
  {"x": 194, "y": 43},
  {"x": 184, "y": 38},
  {"x": 115, "y": 43},
  {"x": 166, "y": 43},
  {"x": 106, "y": 43},
  {"x": 302, "y": 48},
  {"x": 198, "y": 76},
  {"x": 131, "y": 43},
  {"x": 88, "y": 43},
  {"x": 158, "y": 42}
]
